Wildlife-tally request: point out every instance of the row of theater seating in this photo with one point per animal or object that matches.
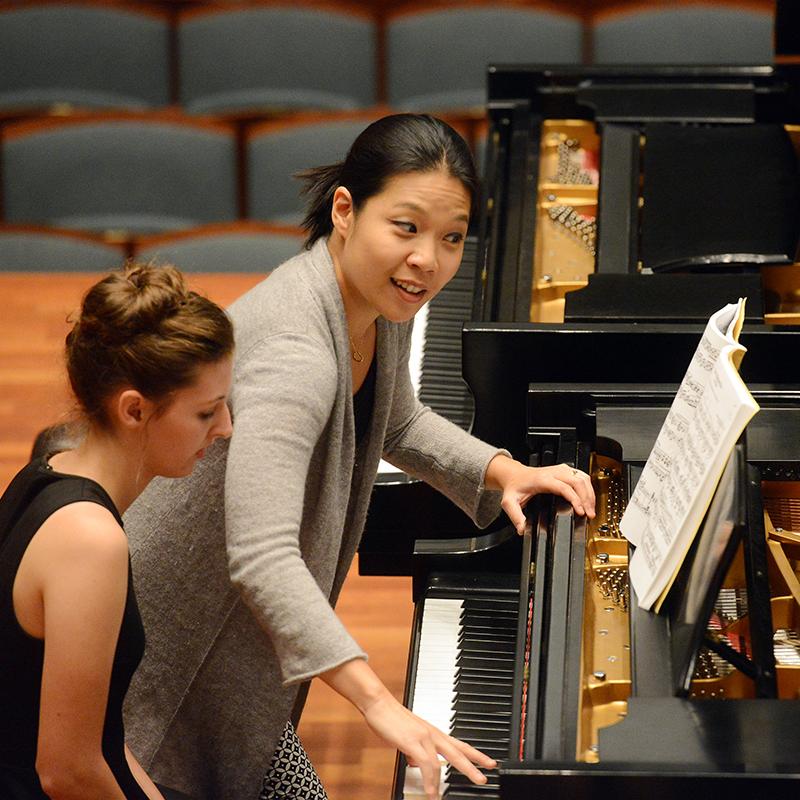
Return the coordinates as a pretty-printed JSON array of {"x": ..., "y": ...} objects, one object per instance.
[
  {"x": 127, "y": 175},
  {"x": 247, "y": 58},
  {"x": 234, "y": 247},
  {"x": 192, "y": 149}
]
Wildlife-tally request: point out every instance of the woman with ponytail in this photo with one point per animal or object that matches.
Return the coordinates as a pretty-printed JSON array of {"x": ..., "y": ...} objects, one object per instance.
[
  {"x": 149, "y": 363},
  {"x": 321, "y": 392}
]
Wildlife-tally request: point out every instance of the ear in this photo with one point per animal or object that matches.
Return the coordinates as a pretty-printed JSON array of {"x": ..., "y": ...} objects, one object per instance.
[
  {"x": 133, "y": 409},
  {"x": 342, "y": 211}
]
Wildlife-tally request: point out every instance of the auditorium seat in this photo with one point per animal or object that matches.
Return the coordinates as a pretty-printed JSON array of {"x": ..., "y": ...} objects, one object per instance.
[
  {"x": 437, "y": 58},
  {"x": 267, "y": 56},
  {"x": 91, "y": 56},
  {"x": 242, "y": 246},
  {"x": 685, "y": 34},
  {"x": 276, "y": 151},
  {"x": 32, "y": 248},
  {"x": 131, "y": 174}
]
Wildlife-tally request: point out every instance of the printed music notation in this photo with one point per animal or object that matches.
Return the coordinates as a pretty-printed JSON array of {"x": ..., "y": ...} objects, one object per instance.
[{"x": 707, "y": 416}]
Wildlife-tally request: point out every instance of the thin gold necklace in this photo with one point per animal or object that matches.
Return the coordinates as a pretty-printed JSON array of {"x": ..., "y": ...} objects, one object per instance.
[{"x": 354, "y": 351}]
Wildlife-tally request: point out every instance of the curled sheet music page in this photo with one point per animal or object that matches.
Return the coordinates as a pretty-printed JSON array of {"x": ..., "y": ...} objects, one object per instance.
[
  {"x": 722, "y": 329},
  {"x": 718, "y": 417}
]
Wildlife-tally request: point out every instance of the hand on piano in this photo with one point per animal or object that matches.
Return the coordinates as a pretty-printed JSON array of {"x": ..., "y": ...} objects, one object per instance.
[
  {"x": 420, "y": 742},
  {"x": 520, "y": 483}
]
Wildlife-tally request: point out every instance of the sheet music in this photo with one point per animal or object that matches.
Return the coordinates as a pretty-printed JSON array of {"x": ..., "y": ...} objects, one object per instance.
[
  {"x": 721, "y": 330},
  {"x": 709, "y": 413}
]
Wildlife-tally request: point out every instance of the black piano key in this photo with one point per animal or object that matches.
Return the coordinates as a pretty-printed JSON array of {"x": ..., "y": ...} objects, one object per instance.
[
  {"x": 482, "y": 641},
  {"x": 494, "y": 747},
  {"x": 474, "y": 727},
  {"x": 472, "y": 688},
  {"x": 462, "y": 784},
  {"x": 462, "y": 793},
  {"x": 495, "y": 722},
  {"x": 485, "y": 627},
  {"x": 484, "y": 620},
  {"x": 456, "y": 779},
  {"x": 490, "y": 749},
  {"x": 474, "y": 648},
  {"x": 507, "y": 601},
  {"x": 441, "y": 384},
  {"x": 483, "y": 706},
  {"x": 482, "y": 684},
  {"x": 491, "y": 662}
]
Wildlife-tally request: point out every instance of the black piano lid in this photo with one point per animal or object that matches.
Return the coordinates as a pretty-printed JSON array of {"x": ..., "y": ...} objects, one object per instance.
[
  {"x": 634, "y": 93},
  {"x": 502, "y": 359}
]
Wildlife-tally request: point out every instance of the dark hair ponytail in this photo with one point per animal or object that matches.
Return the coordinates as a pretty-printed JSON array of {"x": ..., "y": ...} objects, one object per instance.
[
  {"x": 321, "y": 184},
  {"x": 391, "y": 146}
]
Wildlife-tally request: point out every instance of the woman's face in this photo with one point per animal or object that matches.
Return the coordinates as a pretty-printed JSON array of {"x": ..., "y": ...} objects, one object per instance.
[
  {"x": 404, "y": 244},
  {"x": 194, "y": 417}
]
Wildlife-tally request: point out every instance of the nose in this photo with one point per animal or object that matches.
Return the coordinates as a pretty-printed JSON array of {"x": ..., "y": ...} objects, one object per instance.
[
  {"x": 423, "y": 256},
  {"x": 224, "y": 427}
]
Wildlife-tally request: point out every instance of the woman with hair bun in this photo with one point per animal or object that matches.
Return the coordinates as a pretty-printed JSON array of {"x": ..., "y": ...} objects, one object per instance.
[
  {"x": 149, "y": 363},
  {"x": 321, "y": 392}
]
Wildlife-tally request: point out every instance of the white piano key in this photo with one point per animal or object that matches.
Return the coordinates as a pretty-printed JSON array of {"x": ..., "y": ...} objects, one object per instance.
[
  {"x": 418, "y": 346},
  {"x": 434, "y": 685},
  {"x": 415, "y": 368}
]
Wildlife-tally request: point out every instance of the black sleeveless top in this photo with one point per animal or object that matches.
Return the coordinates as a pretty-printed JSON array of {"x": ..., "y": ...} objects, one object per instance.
[
  {"x": 364, "y": 400},
  {"x": 34, "y": 494}
]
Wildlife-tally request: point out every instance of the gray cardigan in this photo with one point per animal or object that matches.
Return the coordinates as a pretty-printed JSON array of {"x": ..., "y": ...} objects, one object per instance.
[{"x": 261, "y": 536}]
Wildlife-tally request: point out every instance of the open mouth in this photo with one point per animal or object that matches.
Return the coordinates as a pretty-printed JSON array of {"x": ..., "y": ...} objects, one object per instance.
[{"x": 409, "y": 288}]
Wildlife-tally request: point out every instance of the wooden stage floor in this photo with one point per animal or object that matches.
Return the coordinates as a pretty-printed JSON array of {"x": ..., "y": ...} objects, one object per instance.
[{"x": 352, "y": 762}]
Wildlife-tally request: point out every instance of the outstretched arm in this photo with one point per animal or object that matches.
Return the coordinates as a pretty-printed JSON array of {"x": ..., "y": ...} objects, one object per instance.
[
  {"x": 421, "y": 742},
  {"x": 519, "y": 484}
]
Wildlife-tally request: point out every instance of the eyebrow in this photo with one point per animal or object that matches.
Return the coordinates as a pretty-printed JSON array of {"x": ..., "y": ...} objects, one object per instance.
[{"x": 420, "y": 210}]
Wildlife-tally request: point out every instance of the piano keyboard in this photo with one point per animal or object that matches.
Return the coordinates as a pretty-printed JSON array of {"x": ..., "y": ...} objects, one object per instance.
[
  {"x": 464, "y": 682},
  {"x": 435, "y": 360},
  {"x": 440, "y": 383}
]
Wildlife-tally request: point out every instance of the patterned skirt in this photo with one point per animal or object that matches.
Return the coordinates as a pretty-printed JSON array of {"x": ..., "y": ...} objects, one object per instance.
[{"x": 290, "y": 775}]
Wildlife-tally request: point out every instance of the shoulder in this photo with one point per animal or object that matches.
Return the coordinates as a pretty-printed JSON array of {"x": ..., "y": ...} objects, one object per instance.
[
  {"x": 299, "y": 298},
  {"x": 309, "y": 275},
  {"x": 292, "y": 320},
  {"x": 86, "y": 532}
]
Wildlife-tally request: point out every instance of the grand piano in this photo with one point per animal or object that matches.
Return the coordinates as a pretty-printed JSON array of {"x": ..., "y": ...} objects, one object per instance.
[{"x": 534, "y": 647}]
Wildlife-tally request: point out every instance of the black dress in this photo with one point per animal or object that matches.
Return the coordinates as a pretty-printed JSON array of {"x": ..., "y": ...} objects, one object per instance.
[{"x": 34, "y": 494}]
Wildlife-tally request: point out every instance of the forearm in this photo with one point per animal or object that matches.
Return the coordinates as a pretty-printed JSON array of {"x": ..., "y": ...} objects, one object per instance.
[
  {"x": 357, "y": 682},
  {"x": 79, "y": 778},
  {"x": 498, "y": 472},
  {"x": 142, "y": 778},
  {"x": 421, "y": 742},
  {"x": 448, "y": 458}
]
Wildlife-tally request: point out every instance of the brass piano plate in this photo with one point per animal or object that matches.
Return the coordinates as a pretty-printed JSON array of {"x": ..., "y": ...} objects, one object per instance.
[{"x": 606, "y": 634}]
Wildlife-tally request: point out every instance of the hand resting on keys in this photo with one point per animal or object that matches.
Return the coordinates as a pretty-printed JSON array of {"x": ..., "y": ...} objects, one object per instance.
[
  {"x": 519, "y": 484},
  {"x": 420, "y": 742}
]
